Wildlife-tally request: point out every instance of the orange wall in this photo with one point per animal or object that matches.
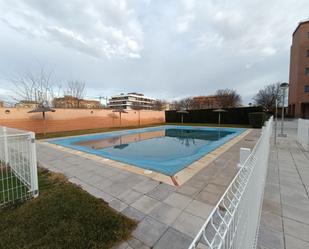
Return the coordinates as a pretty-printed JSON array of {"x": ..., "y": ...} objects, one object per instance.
[{"x": 76, "y": 119}]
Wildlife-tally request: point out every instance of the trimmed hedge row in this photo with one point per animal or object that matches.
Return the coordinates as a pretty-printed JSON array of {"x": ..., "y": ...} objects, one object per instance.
[
  {"x": 257, "y": 119},
  {"x": 237, "y": 115}
]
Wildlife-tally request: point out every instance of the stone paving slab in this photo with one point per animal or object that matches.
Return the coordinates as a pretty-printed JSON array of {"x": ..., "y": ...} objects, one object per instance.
[
  {"x": 133, "y": 213},
  {"x": 199, "y": 209},
  {"x": 165, "y": 213},
  {"x": 188, "y": 224},
  {"x": 173, "y": 239},
  {"x": 285, "y": 213},
  {"x": 178, "y": 200},
  {"x": 149, "y": 231},
  {"x": 145, "y": 204}
]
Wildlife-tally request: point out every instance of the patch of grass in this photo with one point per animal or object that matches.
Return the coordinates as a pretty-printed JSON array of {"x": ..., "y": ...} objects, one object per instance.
[
  {"x": 63, "y": 216},
  {"x": 212, "y": 125},
  {"x": 11, "y": 188},
  {"x": 89, "y": 131}
]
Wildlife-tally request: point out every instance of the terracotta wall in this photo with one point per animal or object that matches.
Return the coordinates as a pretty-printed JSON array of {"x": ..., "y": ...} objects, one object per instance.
[
  {"x": 299, "y": 61},
  {"x": 76, "y": 119}
]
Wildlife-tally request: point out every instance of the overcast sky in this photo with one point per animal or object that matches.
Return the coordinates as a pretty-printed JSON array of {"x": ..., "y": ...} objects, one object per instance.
[{"x": 165, "y": 49}]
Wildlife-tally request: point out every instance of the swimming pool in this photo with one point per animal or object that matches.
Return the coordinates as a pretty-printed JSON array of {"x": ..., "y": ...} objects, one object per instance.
[{"x": 164, "y": 149}]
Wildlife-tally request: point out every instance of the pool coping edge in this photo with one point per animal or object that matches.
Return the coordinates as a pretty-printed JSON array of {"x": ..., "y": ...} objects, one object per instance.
[{"x": 178, "y": 179}]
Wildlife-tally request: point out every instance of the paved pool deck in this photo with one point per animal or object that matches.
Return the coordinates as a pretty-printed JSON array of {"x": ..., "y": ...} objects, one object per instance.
[
  {"x": 285, "y": 214},
  {"x": 168, "y": 216}
]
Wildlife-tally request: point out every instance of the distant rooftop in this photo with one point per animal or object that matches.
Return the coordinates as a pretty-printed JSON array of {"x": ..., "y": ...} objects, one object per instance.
[{"x": 132, "y": 94}]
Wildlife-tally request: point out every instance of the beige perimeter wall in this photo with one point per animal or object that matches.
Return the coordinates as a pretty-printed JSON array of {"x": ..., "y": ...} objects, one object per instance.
[{"x": 76, "y": 119}]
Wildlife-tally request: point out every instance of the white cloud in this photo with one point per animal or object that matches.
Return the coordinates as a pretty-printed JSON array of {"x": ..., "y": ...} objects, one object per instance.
[
  {"x": 163, "y": 48},
  {"x": 186, "y": 16},
  {"x": 183, "y": 22},
  {"x": 85, "y": 28},
  {"x": 207, "y": 40},
  {"x": 269, "y": 51}
]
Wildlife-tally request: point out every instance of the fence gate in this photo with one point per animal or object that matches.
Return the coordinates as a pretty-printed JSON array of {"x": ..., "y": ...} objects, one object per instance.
[{"x": 18, "y": 166}]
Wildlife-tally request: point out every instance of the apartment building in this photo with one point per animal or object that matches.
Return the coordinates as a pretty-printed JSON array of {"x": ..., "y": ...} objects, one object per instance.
[
  {"x": 131, "y": 101},
  {"x": 73, "y": 102},
  {"x": 31, "y": 104},
  {"x": 206, "y": 102},
  {"x": 299, "y": 72}
]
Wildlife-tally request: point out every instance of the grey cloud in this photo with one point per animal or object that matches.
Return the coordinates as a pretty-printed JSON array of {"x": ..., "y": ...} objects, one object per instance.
[
  {"x": 163, "y": 48},
  {"x": 98, "y": 29}
]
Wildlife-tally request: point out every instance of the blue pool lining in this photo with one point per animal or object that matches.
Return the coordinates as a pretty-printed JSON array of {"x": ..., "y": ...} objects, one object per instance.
[{"x": 167, "y": 167}]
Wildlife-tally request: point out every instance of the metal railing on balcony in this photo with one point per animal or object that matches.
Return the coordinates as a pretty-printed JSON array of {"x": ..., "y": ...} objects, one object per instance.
[
  {"x": 18, "y": 166},
  {"x": 234, "y": 222}
]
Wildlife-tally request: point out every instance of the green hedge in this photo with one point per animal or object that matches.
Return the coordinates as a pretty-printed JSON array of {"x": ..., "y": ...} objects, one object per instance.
[
  {"x": 257, "y": 119},
  {"x": 235, "y": 115}
]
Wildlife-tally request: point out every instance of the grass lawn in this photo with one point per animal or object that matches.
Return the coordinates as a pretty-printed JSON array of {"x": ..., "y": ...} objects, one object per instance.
[
  {"x": 63, "y": 216},
  {"x": 10, "y": 186}
]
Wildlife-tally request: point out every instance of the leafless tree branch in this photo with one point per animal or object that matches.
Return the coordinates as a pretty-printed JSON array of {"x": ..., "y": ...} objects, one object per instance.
[
  {"x": 76, "y": 88},
  {"x": 267, "y": 96},
  {"x": 34, "y": 87}
]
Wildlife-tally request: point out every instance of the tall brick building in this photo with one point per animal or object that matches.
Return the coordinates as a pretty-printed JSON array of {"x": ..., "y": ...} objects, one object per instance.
[{"x": 299, "y": 72}]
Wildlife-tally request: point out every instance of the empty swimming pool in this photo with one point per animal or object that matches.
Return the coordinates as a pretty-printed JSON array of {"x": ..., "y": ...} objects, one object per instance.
[{"x": 164, "y": 149}]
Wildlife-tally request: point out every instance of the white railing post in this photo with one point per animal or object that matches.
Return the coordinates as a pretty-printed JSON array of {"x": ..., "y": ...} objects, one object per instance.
[
  {"x": 244, "y": 153},
  {"x": 5, "y": 144},
  {"x": 33, "y": 166},
  {"x": 18, "y": 173},
  {"x": 303, "y": 133}
]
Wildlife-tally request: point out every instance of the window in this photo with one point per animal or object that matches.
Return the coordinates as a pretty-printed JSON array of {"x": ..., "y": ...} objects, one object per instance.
[
  {"x": 307, "y": 71},
  {"x": 307, "y": 89},
  {"x": 308, "y": 34},
  {"x": 308, "y": 53}
]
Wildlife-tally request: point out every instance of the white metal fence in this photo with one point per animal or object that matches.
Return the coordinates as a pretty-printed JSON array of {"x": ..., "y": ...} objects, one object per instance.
[
  {"x": 303, "y": 133},
  {"x": 234, "y": 222},
  {"x": 18, "y": 166}
]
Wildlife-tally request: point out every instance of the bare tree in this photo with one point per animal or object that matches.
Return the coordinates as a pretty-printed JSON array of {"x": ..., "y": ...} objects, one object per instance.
[
  {"x": 228, "y": 98},
  {"x": 183, "y": 104},
  {"x": 175, "y": 105},
  {"x": 268, "y": 95},
  {"x": 201, "y": 102},
  {"x": 76, "y": 88},
  {"x": 34, "y": 87},
  {"x": 187, "y": 103},
  {"x": 159, "y": 105}
]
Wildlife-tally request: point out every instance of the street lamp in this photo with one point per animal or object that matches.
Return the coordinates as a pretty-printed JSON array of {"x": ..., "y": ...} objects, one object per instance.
[{"x": 283, "y": 86}]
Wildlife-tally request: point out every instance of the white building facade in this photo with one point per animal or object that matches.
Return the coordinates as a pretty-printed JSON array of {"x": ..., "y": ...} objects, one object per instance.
[{"x": 131, "y": 101}]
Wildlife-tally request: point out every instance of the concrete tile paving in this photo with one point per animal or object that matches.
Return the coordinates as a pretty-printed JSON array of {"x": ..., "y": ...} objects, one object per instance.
[
  {"x": 285, "y": 213},
  {"x": 165, "y": 213}
]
